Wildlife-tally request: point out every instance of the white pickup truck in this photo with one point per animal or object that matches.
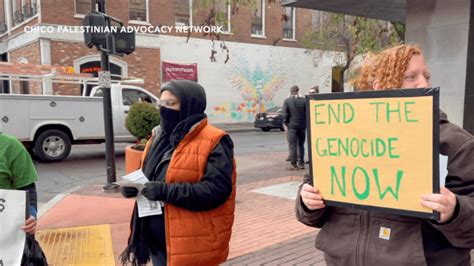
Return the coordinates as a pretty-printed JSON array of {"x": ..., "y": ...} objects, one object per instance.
[{"x": 49, "y": 125}]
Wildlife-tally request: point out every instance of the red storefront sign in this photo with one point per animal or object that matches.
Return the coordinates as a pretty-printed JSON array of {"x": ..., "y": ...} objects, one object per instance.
[{"x": 179, "y": 71}]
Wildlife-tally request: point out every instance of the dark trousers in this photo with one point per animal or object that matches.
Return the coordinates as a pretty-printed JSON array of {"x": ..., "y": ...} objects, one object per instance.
[{"x": 296, "y": 138}]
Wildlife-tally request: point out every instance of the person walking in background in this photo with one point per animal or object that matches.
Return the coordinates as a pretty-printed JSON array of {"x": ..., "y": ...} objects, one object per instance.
[
  {"x": 191, "y": 168},
  {"x": 294, "y": 117},
  {"x": 414, "y": 241},
  {"x": 314, "y": 90}
]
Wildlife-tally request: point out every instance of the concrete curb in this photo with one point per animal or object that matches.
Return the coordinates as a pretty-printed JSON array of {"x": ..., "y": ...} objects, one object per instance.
[
  {"x": 240, "y": 130},
  {"x": 236, "y": 127}
]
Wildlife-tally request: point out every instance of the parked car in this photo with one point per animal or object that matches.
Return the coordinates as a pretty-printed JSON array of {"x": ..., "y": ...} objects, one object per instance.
[{"x": 271, "y": 118}]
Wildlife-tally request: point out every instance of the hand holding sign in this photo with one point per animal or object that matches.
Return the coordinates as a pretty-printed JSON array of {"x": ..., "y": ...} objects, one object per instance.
[
  {"x": 444, "y": 203},
  {"x": 30, "y": 226},
  {"x": 311, "y": 197}
]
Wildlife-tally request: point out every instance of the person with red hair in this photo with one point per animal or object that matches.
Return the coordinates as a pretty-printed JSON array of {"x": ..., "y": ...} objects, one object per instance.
[{"x": 351, "y": 236}]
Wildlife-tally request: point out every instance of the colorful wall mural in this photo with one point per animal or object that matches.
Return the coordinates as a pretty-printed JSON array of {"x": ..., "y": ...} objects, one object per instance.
[
  {"x": 256, "y": 78},
  {"x": 256, "y": 86}
]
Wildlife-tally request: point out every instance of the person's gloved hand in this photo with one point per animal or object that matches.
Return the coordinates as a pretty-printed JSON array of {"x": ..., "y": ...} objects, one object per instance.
[
  {"x": 129, "y": 192},
  {"x": 154, "y": 190}
]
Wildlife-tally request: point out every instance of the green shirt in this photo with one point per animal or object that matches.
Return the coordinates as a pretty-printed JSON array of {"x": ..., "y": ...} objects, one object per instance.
[{"x": 16, "y": 167}]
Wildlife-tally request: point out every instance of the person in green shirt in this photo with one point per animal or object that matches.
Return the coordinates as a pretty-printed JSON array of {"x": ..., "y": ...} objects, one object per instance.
[{"x": 18, "y": 172}]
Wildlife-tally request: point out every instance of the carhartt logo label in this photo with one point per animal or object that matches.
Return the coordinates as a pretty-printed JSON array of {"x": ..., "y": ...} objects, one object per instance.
[{"x": 385, "y": 233}]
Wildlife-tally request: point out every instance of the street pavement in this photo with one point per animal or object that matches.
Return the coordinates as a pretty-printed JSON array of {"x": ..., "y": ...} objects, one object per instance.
[
  {"x": 86, "y": 163},
  {"x": 79, "y": 224},
  {"x": 82, "y": 225},
  {"x": 89, "y": 227}
]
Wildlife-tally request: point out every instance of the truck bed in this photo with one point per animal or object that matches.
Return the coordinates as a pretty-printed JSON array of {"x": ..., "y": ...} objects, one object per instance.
[{"x": 23, "y": 115}]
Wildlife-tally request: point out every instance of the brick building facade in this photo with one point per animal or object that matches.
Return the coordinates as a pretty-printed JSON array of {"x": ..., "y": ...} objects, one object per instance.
[{"x": 17, "y": 44}]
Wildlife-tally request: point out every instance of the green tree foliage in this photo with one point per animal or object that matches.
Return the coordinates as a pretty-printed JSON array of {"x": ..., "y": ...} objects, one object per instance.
[
  {"x": 352, "y": 35},
  {"x": 141, "y": 119}
]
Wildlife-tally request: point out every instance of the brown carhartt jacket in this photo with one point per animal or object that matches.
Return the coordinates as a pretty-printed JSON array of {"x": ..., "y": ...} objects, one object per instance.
[{"x": 352, "y": 237}]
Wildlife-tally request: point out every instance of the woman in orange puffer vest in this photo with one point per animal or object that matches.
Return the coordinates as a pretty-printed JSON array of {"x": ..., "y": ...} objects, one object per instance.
[{"x": 192, "y": 171}]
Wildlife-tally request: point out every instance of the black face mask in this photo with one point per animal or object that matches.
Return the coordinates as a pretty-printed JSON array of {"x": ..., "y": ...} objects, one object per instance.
[{"x": 169, "y": 119}]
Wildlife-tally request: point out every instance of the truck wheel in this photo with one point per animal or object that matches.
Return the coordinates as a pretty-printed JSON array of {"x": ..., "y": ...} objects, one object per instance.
[
  {"x": 52, "y": 145},
  {"x": 265, "y": 129}
]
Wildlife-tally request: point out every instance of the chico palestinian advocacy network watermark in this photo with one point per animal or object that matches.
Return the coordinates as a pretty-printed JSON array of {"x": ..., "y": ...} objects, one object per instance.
[{"x": 123, "y": 29}]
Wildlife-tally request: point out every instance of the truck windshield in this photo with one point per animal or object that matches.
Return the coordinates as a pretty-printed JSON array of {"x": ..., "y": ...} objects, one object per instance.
[
  {"x": 98, "y": 93},
  {"x": 131, "y": 96}
]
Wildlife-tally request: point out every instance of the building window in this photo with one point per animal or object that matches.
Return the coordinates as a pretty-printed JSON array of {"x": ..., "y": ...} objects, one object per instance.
[
  {"x": 317, "y": 20},
  {"x": 22, "y": 10},
  {"x": 24, "y": 86},
  {"x": 222, "y": 8},
  {"x": 289, "y": 24},
  {"x": 83, "y": 6},
  {"x": 184, "y": 12},
  {"x": 4, "y": 84},
  {"x": 258, "y": 19},
  {"x": 3, "y": 20},
  {"x": 138, "y": 10}
]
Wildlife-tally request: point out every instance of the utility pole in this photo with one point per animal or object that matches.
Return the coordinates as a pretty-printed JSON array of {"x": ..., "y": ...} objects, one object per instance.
[
  {"x": 105, "y": 84},
  {"x": 107, "y": 43}
]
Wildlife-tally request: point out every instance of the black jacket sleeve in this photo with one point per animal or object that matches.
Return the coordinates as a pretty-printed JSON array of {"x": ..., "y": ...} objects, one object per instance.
[
  {"x": 32, "y": 197},
  {"x": 286, "y": 112},
  {"x": 212, "y": 190}
]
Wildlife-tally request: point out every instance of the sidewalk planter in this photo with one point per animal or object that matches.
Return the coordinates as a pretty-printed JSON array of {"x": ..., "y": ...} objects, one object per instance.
[
  {"x": 132, "y": 159},
  {"x": 141, "y": 119}
]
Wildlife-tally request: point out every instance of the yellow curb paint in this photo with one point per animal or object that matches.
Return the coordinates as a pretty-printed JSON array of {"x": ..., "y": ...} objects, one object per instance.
[{"x": 86, "y": 245}]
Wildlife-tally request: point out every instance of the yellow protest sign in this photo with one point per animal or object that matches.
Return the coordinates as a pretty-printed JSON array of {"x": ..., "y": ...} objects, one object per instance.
[{"x": 376, "y": 149}]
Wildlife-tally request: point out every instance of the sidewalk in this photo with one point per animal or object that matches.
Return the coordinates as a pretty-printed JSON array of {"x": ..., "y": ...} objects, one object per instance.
[{"x": 90, "y": 227}]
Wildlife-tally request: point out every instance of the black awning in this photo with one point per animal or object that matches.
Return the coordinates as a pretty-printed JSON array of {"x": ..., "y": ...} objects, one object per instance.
[{"x": 390, "y": 10}]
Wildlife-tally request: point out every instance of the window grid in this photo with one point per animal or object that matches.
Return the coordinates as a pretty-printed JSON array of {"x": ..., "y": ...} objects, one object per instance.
[
  {"x": 21, "y": 10},
  {"x": 83, "y": 6},
  {"x": 138, "y": 10},
  {"x": 183, "y": 13},
  {"x": 3, "y": 18},
  {"x": 258, "y": 19},
  {"x": 223, "y": 14},
  {"x": 289, "y": 24}
]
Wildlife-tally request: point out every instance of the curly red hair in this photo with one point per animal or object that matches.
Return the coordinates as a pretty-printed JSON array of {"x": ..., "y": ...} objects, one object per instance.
[{"x": 387, "y": 66}]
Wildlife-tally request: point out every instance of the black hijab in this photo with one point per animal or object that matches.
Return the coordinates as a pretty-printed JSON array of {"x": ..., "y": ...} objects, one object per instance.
[{"x": 192, "y": 98}]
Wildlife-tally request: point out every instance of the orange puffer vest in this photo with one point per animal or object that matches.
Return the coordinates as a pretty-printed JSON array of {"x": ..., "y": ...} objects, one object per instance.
[{"x": 197, "y": 237}]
